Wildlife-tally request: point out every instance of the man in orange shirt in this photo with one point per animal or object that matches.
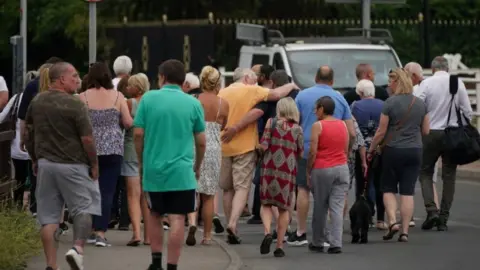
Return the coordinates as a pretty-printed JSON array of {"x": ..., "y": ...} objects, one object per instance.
[{"x": 239, "y": 141}]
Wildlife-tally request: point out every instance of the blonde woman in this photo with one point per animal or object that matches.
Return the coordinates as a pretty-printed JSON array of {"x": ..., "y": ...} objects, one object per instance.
[
  {"x": 403, "y": 121},
  {"x": 216, "y": 113},
  {"x": 283, "y": 137},
  {"x": 44, "y": 82},
  {"x": 137, "y": 85}
]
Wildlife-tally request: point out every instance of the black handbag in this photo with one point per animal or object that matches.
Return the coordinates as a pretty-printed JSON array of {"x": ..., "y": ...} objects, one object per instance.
[{"x": 462, "y": 143}]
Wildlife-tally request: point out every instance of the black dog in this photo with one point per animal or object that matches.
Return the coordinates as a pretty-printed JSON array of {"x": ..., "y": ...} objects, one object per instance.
[{"x": 360, "y": 215}]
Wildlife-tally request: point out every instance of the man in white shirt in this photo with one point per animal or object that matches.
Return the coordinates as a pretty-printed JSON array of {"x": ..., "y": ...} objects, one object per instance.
[
  {"x": 122, "y": 66},
  {"x": 416, "y": 74},
  {"x": 436, "y": 94},
  {"x": 3, "y": 93}
]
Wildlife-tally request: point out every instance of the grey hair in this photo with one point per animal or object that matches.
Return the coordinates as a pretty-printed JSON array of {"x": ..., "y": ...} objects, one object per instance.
[
  {"x": 365, "y": 88},
  {"x": 440, "y": 63},
  {"x": 31, "y": 75},
  {"x": 122, "y": 65},
  {"x": 414, "y": 68},
  {"x": 240, "y": 73},
  {"x": 192, "y": 80}
]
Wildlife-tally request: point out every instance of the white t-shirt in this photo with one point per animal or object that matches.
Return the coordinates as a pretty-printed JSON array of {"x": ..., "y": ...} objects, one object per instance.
[
  {"x": 16, "y": 153},
  {"x": 3, "y": 85},
  {"x": 115, "y": 82}
]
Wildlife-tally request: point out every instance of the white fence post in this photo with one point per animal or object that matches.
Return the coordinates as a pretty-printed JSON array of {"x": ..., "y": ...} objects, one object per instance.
[{"x": 222, "y": 77}]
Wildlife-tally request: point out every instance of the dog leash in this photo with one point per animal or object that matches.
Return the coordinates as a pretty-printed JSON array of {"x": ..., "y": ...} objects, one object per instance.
[{"x": 365, "y": 184}]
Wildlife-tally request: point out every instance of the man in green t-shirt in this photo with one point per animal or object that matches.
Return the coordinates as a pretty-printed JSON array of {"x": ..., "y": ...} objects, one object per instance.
[{"x": 167, "y": 124}]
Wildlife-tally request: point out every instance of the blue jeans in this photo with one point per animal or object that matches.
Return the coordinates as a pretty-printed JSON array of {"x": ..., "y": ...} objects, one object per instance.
[{"x": 109, "y": 171}]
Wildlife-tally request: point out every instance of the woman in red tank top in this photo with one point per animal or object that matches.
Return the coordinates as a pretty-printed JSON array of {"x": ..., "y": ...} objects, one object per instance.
[{"x": 328, "y": 175}]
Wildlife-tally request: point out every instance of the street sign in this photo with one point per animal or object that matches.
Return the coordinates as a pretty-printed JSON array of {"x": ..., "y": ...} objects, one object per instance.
[{"x": 371, "y": 1}]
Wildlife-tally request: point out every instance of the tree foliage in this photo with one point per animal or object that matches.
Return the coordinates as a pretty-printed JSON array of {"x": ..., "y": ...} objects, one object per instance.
[{"x": 65, "y": 22}]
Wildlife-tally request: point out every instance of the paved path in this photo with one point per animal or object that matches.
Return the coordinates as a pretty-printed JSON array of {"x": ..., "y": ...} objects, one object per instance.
[
  {"x": 121, "y": 257},
  {"x": 456, "y": 249}
]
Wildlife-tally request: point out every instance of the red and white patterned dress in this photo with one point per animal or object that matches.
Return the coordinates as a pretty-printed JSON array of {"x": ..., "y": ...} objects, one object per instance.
[{"x": 284, "y": 144}]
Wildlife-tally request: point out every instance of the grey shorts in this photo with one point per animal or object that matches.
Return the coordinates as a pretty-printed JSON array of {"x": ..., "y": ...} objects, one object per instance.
[
  {"x": 59, "y": 183},
  {"x": 129, "y": 168}
]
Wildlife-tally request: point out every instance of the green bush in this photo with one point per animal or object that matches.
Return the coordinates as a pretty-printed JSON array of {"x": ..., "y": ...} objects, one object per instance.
[{"x": 19, "y": 235}]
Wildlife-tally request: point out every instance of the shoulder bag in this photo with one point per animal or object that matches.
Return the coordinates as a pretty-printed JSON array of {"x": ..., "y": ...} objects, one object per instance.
[{"x": 462, "y": 143}]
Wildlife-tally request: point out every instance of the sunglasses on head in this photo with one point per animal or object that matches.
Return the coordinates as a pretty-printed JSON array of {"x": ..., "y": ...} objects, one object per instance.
[{"x": 393, "y": 70}]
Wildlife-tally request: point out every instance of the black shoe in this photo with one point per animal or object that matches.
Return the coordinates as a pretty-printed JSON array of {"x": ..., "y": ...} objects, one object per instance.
[
  {"x": 334, "y": 250},
  {"x": 63, "y": 226},
  {"x": 151, "y": 267},
  {"x": 431, "y": 221},
  {"x": 279, "y": 253},
  {"x": 217, "y": 225},
  {"x": 266, "y": 243},
  {"x": 313, "y": 248},
  {"x": 112, "y": 224},
  {"x": 442, "y": 225},
  {"x": 254, "y": 221},
  {"x": 123, "y": 227},
  {"x": 296, "y": 240}
]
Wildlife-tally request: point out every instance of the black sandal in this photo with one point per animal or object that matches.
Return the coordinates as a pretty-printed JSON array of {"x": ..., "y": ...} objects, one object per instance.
[
  {"x": 133, "y": 243},
  {"x": 391, "y": 231},
  {"x": 233, "y": 239},
  {"x": 266, "y": 243},
  {"x": 403, "y": 237}
]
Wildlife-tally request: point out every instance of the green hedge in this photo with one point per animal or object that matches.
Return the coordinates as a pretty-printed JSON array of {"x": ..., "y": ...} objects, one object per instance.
[{"x": 20, "y": 238}]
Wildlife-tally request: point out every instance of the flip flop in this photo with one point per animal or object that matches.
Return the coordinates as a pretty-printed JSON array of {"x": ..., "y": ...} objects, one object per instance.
[
  {"x": 133, "y": 243},
  {"x": 391, "y": 231},
  {"x": 233, "y": 239},
  {"x": 206, "y": 242}
]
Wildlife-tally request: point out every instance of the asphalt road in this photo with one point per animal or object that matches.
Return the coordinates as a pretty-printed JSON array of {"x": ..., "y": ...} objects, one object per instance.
[{"x": 456, "y": 249}]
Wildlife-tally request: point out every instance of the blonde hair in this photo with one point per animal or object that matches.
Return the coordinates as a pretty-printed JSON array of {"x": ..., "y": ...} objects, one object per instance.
[
  {"x": 209, "y": 79},
  {"x": 139, "y": 81},
  {"x": 404, "y": 83},
  {"x": 365, "y": 88},
  {"x": 287, "y": 108},
  {"x": 44, "y": 82}
]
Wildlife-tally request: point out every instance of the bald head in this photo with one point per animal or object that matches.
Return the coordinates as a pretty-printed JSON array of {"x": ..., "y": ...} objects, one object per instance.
[
  {"x": 63, "y": 76},
  {"x": 257, "y": 69},
  {"x": 57, "y": 70},
  {"x": 364, "y": 72},
  {"x": 324, "y": 75},
  {"x": 415, "y": 71}
]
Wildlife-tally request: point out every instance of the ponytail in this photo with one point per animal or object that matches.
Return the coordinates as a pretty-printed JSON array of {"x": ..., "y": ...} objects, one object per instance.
[{"x": 44, "y": 80}]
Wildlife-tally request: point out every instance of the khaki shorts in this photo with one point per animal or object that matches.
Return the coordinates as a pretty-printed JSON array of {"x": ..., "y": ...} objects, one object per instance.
[{"x": 237, "y": 171}]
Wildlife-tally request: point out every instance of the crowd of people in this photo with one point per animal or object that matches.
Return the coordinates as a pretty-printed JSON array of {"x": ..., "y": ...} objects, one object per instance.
[{"x": 111, "y": 150}]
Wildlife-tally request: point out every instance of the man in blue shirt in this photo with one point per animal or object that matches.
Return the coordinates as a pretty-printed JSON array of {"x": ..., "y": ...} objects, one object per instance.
[{"x": 306, "y": 100}]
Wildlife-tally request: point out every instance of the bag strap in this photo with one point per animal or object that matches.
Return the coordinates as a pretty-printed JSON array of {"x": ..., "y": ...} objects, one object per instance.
[{"x": 399, "y": 123}]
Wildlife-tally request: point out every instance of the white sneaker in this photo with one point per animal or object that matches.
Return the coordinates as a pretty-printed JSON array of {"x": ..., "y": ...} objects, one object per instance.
[
  {"x": 74, "y": 259},
  {"x": 411, "y": 223},
  {"x": 326, "y": 245}
]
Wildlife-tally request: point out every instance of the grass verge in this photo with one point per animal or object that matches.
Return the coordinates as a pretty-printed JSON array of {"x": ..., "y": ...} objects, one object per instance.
[{"x": 20, "y": 238}]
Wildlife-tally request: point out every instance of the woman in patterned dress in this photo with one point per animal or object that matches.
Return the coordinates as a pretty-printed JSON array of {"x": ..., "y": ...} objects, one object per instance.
[
  {"x": 216, "y": 113},
  {"x": 282, "y": 142}
]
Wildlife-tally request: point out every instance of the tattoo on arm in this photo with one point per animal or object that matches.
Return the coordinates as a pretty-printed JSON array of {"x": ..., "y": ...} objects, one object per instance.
[{"x": 90, "y": 149}]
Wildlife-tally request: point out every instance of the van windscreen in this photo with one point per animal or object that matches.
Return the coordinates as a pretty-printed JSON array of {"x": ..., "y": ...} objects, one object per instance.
[{"x": 305, "y": 63}]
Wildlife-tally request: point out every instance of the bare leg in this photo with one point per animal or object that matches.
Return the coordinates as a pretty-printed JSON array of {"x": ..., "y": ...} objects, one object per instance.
[
  {"x": 238, "y": 204},
  {"x": 266, "y": 215},
  {"x": 406, "y": 211},
  {"x": 207, "y": 215},
  {"x": 282, "y": 225},
  {"x": 391, "y": 207},
  {"x": 275, "y": 212},
  {"x": 146, "y": 220},
  {"x": 227, "y": 203},
  {"x": 215, "y": 202},
  {"x": 134, "y": 210},
  {"x": 175, "y": 238},
  {"x": 47, "y": 234},
  {"x": 302, "y": 210},
  {"x": 156, "y": 232},
  {"x": 435, "y": 196}
]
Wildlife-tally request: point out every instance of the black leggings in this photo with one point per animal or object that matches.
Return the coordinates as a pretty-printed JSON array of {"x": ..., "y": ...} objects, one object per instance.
[{"x": 21, "y": 176}]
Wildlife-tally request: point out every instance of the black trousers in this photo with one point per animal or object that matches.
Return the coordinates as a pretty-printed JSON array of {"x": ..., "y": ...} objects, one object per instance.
[{"x": 120, "y": 204}]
